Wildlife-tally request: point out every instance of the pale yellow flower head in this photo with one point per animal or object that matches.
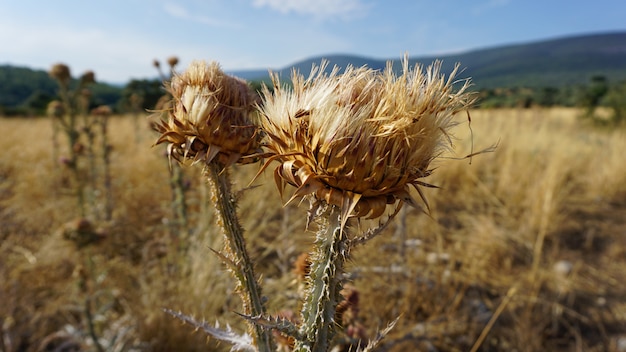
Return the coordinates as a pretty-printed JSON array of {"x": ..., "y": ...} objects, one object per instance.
[
  {"x": 359, "y": 140},
  {"x": 210, "y": 116}
]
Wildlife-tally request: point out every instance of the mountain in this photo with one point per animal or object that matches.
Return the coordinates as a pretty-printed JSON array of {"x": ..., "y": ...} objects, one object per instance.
[
  {"x": 544, "y": 66},
  {"x": 550, "y": 63}
]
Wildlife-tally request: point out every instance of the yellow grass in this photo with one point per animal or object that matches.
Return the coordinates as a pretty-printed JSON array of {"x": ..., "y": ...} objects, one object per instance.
[{"x": 525, "y": 248}]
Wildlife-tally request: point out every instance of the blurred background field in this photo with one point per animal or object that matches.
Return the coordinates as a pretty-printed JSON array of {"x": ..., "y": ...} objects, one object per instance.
[{"x": 524, "y": 248}]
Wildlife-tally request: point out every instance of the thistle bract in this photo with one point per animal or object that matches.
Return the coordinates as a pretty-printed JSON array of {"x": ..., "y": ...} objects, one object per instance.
[{"x": 361, "y": 139}]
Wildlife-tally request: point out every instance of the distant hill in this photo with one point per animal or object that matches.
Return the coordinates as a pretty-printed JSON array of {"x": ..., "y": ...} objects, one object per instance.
[
  {"x": 550, "y": 63},
  {"x": 544, "y": 66}
]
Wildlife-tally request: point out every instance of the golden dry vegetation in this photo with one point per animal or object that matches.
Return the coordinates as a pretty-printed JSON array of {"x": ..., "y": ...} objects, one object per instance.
[{"x": 524, "y": 248}]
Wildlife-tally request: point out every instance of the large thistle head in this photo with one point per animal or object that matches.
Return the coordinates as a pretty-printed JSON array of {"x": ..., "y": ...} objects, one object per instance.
[
  {"x": 362, "y": 139},
  {"x": 210, "y": 117}
]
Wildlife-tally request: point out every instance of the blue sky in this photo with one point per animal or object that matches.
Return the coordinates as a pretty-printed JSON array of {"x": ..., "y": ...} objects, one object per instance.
[{"x": 119, "y": 39}]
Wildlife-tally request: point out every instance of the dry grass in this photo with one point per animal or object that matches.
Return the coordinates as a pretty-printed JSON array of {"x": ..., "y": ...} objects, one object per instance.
[{"x": 525, "y": 246}]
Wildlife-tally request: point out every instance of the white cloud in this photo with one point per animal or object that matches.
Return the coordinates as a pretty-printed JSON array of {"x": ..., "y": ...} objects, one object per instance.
[
  {"x": 114, "y": 56},
  {"x": 319, "y": 8},
  {"x": 177, "y": 11}
]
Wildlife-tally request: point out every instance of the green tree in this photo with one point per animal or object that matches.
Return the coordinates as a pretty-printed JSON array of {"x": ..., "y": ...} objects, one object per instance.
[
  {"x": 593, "y": 95},
  {"x": 149, "y": 90},
  {"x": 616, "y": 100}
]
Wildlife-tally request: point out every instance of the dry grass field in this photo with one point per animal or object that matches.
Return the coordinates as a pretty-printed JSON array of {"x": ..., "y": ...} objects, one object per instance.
[{"x": 524, "y": 248}]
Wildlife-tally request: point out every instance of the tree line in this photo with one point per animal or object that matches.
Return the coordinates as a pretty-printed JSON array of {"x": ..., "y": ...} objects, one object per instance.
[{"x": 27, "y": 92}]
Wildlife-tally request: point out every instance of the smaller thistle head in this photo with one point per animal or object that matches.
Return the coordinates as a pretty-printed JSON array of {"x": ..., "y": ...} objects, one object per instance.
[
  {"x": 102, "y": 110},
  {"x": 156, "y": 63},
  {"x": 88, "y": 77},
  {"x": 210, "y": 117},
  {"x": 172, "y": 61},
  {"x": 55, "y": 109},
  {"x": 60, "y": 72},
  {"x": 362, "y": 139}
]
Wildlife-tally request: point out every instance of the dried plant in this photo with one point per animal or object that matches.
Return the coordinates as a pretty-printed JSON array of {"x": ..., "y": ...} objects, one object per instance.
[
  {"x": 74, "y": 103},
  {"x": 177, "y": 179},
  {"x": 354, "y": 143},
  {"x": 101, "y": 116},
  {"x": 209, "y": 123}
]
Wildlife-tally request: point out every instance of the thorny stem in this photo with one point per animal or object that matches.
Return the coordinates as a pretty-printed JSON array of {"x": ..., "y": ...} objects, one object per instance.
[
  {"x": 90, "y": 324},
  {"x": 73, "y": 136},
  {"x": 235, "y": 249},
  {"x": 318, "y": 311},
  {"x": 106, "y": 151}
]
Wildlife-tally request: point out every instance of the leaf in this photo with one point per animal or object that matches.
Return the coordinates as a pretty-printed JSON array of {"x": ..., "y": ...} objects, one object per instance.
[{"x": 240, "y": 342}]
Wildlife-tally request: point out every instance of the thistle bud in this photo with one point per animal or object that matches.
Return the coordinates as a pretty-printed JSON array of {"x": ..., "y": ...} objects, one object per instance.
[
  {"x": 102, "y": 110},
  {"x": 88, "y": 77},
  {"x": 60, "y": 72},
  {"x": 172, "y": 61}
]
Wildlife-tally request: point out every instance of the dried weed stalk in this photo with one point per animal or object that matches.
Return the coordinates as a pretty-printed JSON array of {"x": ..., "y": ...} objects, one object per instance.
[
  {"x": 209, "y": 123},
  {"x": 71, "y": 115},
  {"x": 354, "y": 144}
]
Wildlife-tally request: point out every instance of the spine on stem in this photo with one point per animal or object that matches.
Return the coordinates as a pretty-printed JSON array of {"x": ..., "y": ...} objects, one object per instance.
[
  {"x": 235, "y": 251},
  {"x": 324, "y": 283}
]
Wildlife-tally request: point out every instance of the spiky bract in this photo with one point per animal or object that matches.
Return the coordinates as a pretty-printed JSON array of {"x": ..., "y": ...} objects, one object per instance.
[
  {"x": 210, "y": 117},
  {"x": 360, "y": 139}
]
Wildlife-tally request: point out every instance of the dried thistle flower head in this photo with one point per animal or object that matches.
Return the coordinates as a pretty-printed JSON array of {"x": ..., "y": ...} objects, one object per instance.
[
  {"x": 172, "y": 61},
  {"x": 55, "y": 109},
  {"x": 210, "y": 117},
  {"x": 88, "y": 77},
  {"x": 362, "y": 139},
  {"x": 102, "y": 110},
  {"x": 60, "y": 72}
]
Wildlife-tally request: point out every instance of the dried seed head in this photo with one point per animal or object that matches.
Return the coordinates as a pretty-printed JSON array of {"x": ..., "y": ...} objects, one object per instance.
[
  {"x": 156, "y": 63},
  {"x": 172, "y": 61},
  {"x": 88, "y": 77},
  {"x": 102, "y": 110},
  {"x": 210, "y": 117},
  {"x": 60, "y": 72},
  {"x": 359, "y": 140},
  {"x": 55, "y": 109}
]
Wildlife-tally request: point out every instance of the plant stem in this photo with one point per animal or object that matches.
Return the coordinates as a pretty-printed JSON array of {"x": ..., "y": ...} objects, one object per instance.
[
  {"x": 106, "y": 160},
  {"x": 327, "y": 264},
  {"x": 90, "y": 325},
  {"x": 235, "y": 250}
]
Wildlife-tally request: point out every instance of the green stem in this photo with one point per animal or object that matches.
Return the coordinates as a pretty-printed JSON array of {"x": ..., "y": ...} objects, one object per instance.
[
  {"x": 327, "y": 264},
  {"x": 235, "y": 250}
]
